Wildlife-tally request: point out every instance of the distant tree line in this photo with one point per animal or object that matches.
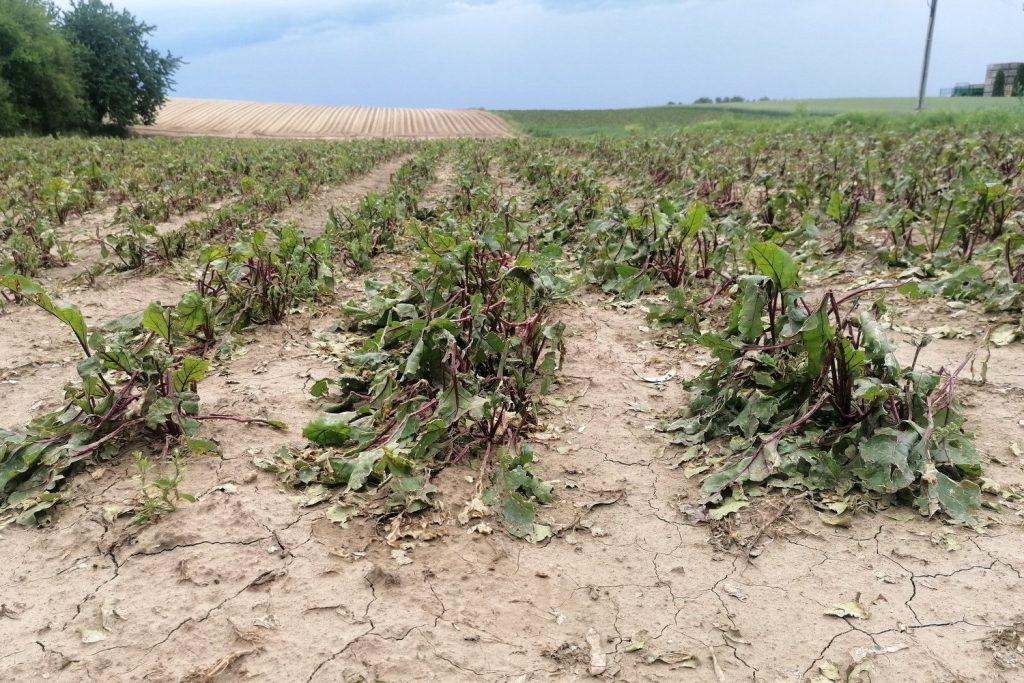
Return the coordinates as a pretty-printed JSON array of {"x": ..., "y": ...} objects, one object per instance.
[
  {"x": 79, "y": 69},
  {"x": 725, "y": 100}
]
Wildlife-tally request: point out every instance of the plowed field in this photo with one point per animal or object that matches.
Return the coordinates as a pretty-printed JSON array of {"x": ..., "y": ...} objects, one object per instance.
[{"x": 231, "y": 118}]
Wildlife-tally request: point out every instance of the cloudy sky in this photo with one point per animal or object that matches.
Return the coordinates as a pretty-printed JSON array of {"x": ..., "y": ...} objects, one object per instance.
[{"x": 572, "y": 53}]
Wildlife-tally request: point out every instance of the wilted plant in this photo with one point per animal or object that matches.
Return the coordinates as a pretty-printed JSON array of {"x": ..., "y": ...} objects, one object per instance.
[{"x": 811, "y": 396}]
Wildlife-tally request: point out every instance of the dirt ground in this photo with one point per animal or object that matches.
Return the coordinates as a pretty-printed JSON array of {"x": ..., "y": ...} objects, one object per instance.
[{"x": 636, "y": 584}]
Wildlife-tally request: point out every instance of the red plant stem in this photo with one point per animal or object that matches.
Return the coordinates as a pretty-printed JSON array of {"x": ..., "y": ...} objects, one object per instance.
[
  {"x": 863, "y": 290},
  {"x": 775, "y": 436},
  {"x": 99, "y": 442}
]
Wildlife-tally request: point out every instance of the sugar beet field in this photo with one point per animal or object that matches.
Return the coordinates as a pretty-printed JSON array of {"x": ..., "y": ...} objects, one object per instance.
[{"x": 718, "y": 405}]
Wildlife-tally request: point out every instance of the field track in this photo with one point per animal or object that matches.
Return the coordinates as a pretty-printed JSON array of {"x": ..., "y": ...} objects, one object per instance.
[{"x": 230, "y": 118}]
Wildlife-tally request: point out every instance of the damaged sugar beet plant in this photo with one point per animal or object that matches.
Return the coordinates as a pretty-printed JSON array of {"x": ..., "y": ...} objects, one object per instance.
[
  {"x": 810, "y": 396},
  {"x": 629, "y": 253},
  {"x": 447, "y": 373},
  {"x": 132, "y": 381},
  {"x": 374, "y": 226},
  {"x": 138, "y": 375}
]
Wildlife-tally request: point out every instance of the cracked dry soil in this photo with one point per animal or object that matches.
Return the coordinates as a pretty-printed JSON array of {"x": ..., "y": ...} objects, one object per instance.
[{"x": 245, "y": 585}]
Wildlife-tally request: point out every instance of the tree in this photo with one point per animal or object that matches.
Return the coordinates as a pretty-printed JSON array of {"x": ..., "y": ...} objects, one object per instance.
[
  {"x": 703, "y": 100},
  {"x": 125, "y": 81},
  {"x": 1018, "y": 83},
  {"x": 39, "y": 87},
  {"x": 999, "y": 84}
]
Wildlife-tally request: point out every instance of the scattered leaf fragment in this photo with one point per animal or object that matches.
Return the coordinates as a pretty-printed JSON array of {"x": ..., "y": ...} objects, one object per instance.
[
  {"x": 848, "y": 609},
  {"x": 656, "y": 379},
  {"x": 834, "y": 520},
  {"x": 598, "y": 659},
  {"x": 109, "y": 614},
  {"x": 635, "y": 646},
  {"x": 339, "y": 513},
  {"x": 474, "y": 509},
  {"x": 728, "y": 506},
  {"x": 829, "y": 672},
  {"x": 541, "y": 532},
  {"x": 684, "y": 659},
  {"x": 734, "y": 591},
  {"x": 719, "y": 674},
  {"x": 1004, "y": 335},
  {"x": 92, "y": 635},
  {"x": 400, "y": 557}
]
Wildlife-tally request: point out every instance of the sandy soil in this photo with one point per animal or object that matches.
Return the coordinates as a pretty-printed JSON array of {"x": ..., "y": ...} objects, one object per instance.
[{"x": 230, "y": 118}]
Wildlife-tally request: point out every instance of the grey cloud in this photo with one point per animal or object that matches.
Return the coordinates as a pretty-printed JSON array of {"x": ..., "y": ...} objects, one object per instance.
[{"x": 572, "y": 53}]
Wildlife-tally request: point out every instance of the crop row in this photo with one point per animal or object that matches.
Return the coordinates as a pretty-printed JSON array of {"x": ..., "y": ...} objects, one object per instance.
[
  {"x": 724, "y": 232},
  {"x": 48, "y": 184},
  {"x": 139, "y": 374}
]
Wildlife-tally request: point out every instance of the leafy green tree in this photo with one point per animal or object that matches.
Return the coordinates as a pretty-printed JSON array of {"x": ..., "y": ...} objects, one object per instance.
[
  {"x": 125, "y": 80},
  {"x": 39, "y": 87},
  {"x": 999, "y": 84}
]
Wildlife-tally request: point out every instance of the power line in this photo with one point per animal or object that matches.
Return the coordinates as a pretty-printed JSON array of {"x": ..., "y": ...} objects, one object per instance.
[{"x": 927, "y": 56}]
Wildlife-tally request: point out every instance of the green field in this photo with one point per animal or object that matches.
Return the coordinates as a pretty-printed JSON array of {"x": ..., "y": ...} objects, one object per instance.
[
  {"x": 877, "y": 105},
  {"x": 620, "y": 122}
]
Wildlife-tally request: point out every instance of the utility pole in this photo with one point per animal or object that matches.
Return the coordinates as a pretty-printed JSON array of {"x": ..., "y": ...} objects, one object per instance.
[{"x": 927, "y": 56}]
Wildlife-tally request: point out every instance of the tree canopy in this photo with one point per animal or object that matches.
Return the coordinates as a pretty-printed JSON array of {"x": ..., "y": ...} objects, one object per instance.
[
  {"x": 79, "y": 69},
  {"x": 125, "y": 80},
  {"x": 40, "y": 89}
]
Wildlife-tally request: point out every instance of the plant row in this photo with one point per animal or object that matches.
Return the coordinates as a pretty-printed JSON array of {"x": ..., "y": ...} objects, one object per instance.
[{"x": 139, "y": 374}]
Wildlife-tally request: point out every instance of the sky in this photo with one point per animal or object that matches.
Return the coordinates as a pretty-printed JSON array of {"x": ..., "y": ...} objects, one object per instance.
[{"x": 569, "y": 54}]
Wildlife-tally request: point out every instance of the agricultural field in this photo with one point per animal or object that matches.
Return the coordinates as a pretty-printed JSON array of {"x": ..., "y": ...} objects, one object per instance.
[
  {"x": 1005, "y": 113},
  {"x": 230, "y": 118},
  {"x": 880, "y": 105},
  {"x": 728, "y": 403},
  {"x": 624, "y": 122}
]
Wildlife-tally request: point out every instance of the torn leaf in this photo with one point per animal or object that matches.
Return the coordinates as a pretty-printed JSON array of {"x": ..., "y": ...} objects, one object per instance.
[{"x": 848, "y": 609}]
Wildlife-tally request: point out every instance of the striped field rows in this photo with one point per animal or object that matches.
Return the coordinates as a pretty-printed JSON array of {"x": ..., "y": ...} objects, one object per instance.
[{"x": 185, "y": 116}]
